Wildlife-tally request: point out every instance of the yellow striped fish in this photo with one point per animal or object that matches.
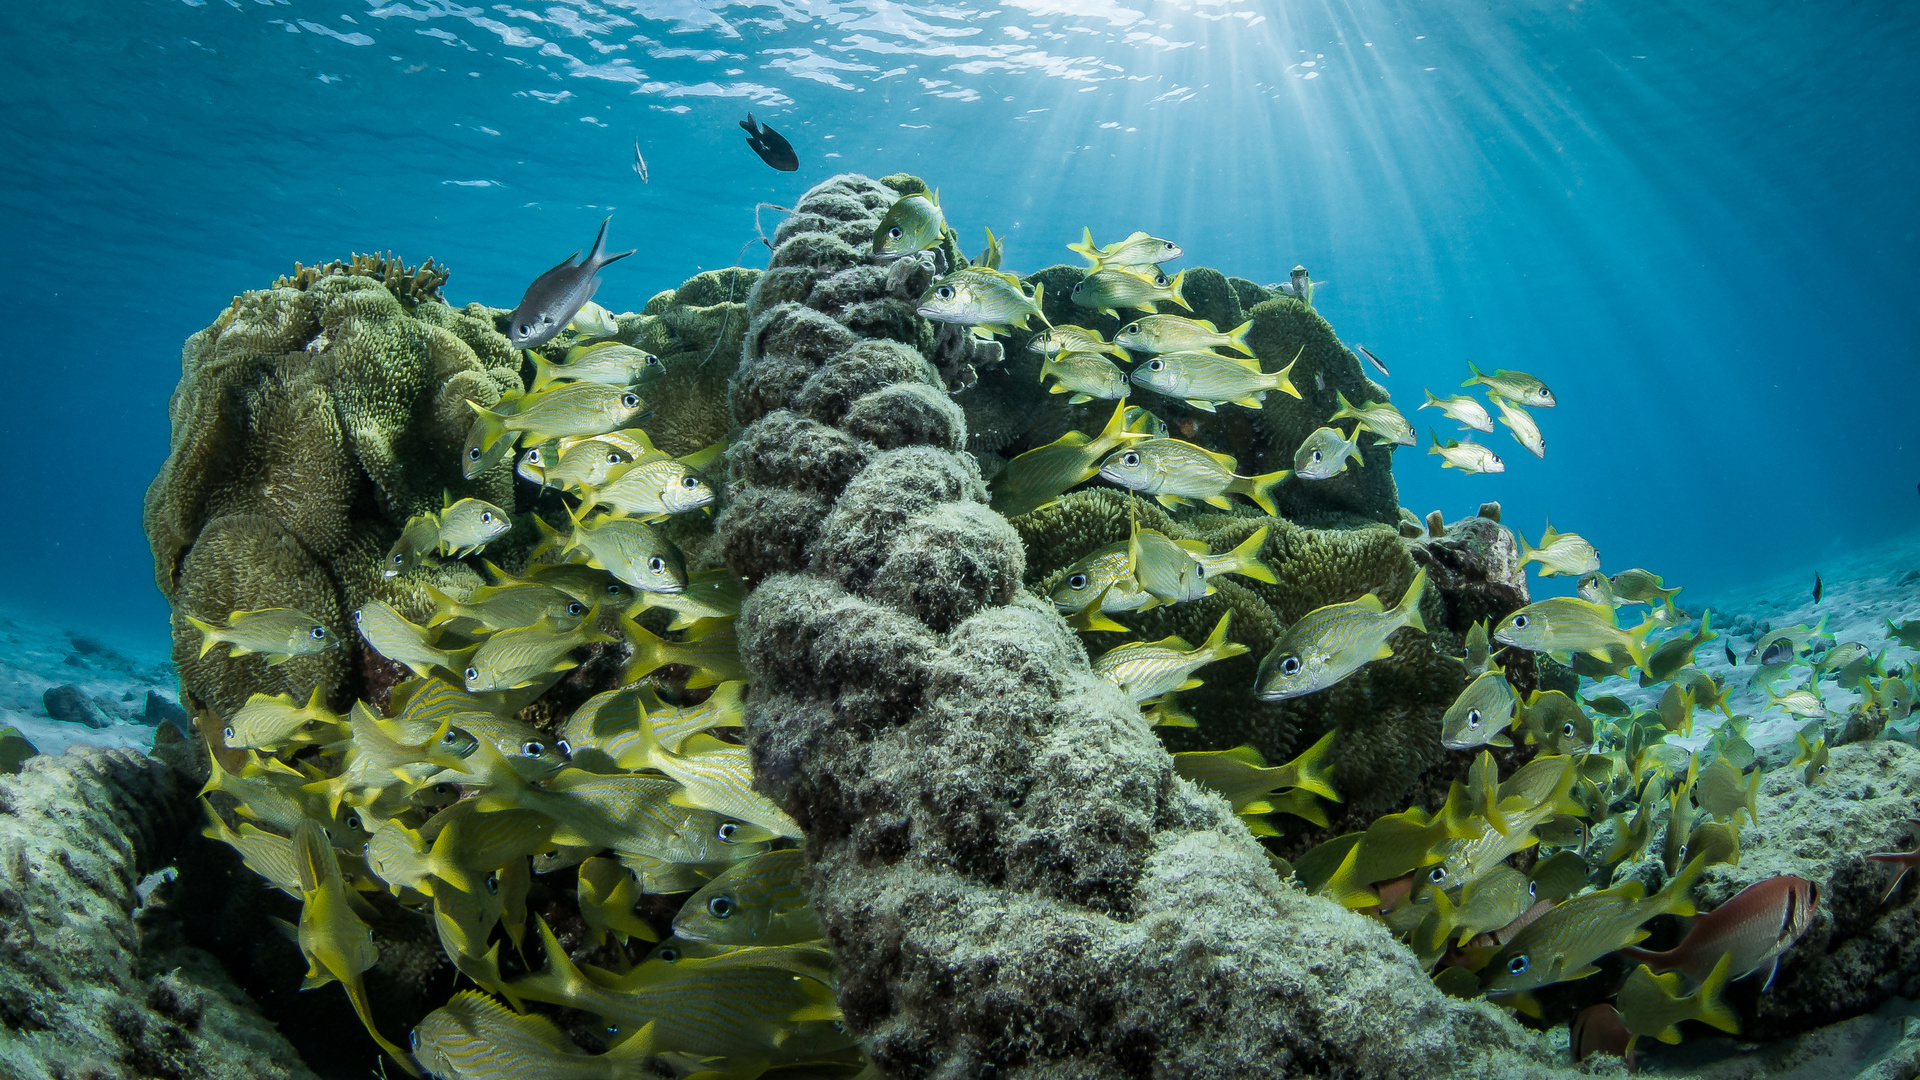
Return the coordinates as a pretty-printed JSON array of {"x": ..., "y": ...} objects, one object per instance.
[
  {"x": 474, "y": 1037},
  {"x": 1039, "y": 476},
  {"x": 1176, "y": 333},
  {"x": 1114, "y": 288},
  {"x": 1086, "y": 375},
  {"x": 270, "y": 722},
  {"x": 713, "y": 775},
  {"x": 506, "y": 607},
  {"x": 392, "y": 636},
  {"x": 606, "y": 894},
  {"x": 1378, "y": 417},
  {"x": 1332, "y": 642},
  {"x": 1148, "y": 670},
  {"x": 632, "y": 551},
  {"x": 1205, "y": 379},
  {"x": 581, "y": 408},
  {"x": 337, "y": 945},
  {"x": 713, "y": 652},
  {"x": 1176, "y": 473},
  {"x": 607, "y": 362},
  {"x": 709, "y": 594},
  {"x": 1067, "y": 338},
  {"x": 469, "y": 525},
  {"x": 519, "y": 657},
  {"x": 629, "y": 813},
  {"x": 757, "y": 901},
  {"x": 586, "y": 462},
  {"x": 280, "y": 634},
  {"x": 649, "y": 490}
]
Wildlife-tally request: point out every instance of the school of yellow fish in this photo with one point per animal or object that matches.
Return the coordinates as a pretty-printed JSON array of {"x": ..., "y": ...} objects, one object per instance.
[{"x": 448, "y": 798}]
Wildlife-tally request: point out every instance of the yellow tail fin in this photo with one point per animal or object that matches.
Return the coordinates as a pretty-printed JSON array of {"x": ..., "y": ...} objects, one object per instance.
[
  {"x": 1246, "y": 558},
  {"x": 1179, "y": 280},
  {"x": 1408, "y": 609},
  {"x": 1260, "y": 490},
  {"x": 1237, "y": 338}
]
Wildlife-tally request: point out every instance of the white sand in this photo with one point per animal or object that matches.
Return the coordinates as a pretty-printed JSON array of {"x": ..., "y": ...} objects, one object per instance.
[{"x": 36, "y": 656}]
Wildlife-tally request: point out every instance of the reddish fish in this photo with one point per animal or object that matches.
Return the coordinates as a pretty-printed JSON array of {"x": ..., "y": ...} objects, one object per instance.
[
  {"x": 1598, "y": 1030},
  {"x": 1905, "y": 860},
  {"x": 1754, "y": 927}
]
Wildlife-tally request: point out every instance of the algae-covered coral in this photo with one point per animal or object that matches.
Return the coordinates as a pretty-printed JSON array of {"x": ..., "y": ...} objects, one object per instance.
[{"x": 842, "y": 735}]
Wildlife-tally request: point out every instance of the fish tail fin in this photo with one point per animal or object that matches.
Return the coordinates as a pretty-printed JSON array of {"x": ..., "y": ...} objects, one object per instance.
[
  {"x": 1711, "y": 1009},
  {"x": 545, "y": 371},
  {"x": 207, "y": 633},
  {"x": 1353, "y": 445},
  {"x": 1260, "y": 490},
  {"x": 1246, "y": 558},
  {"x": 217, "y": 828},
  {"x": 598, "y": 257},
  {"x": 1173, "y": 290},
  {"x": 1676, "y": 898},
  {"x": 551, "y": 539},
  {"x": 1637, "y": 642},
  {"x": 1217, "y": 644},
  {"x": 1751, "y": 799},
  {"x": 1237, "y": 337},
  {"x": 1408, "y": 609},
  {"x": 1310, "y": 769},
  {"x": 1477, "y": 376},
  {"x": 1345, "y": 411},
  {"x": 633, "y": 1056},
  {"x": 1281, "y": 380},
  {"x": 1527, "y": 551},
  {"x": 492, "y": 425},
  {"x": 560, "y": 979},
  {"x": 445, "y": 865},
  {"x": 1039, "y": 292},
  {"x": 649, "y": 650},
  {"x": 1085, "y": 247},
  {"x": 357, "y": 994}
]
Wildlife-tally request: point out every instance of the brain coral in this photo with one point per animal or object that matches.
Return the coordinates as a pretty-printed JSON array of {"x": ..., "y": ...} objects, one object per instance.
[{"x": 1013, "y": 878}]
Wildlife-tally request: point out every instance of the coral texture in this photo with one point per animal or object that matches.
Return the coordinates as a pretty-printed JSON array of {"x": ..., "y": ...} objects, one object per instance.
[
  {"x": 1014, "y": 880},
  {"x": 77, "y": 996}
]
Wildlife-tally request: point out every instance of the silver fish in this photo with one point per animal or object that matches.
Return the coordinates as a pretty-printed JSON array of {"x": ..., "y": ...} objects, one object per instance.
[{"x": 556, "y": 296}]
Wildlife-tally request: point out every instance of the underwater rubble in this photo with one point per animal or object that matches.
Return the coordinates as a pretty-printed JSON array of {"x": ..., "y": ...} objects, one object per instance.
[{"x": 847, "y": 669}]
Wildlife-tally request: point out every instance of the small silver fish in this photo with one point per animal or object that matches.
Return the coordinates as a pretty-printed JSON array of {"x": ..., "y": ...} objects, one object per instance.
[
  {"x": 1515, "y": 386},
  {"x": 1204, "y": 379},
  {"x": 1525, "y": 431},
  {"x": 1137, "y": 250},
  {"x": 1462, "y": 408},
  {"x": 639, "y": 162},
  {"x": 989, "y": 301},
  {"x": 557, "y": 295},
  {"x": 1114, "y": 288},
  {"x": 1469, "y": 457},
  {"x": 1086, "y": 375}
]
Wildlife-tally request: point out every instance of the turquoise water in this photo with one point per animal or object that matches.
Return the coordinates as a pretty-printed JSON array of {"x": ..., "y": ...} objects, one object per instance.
[{"x": 1695, "y": 222}]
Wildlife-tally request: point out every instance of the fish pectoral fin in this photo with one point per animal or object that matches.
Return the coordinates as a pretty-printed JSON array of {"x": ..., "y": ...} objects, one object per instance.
[
  {"x": 275, "y": 658},
  {"x": 1058, "y": 388},
  {"x": 1201, "y": 404},
  {"x": 1078, "y": 398},
  {"x": 1171, "y": 502}
]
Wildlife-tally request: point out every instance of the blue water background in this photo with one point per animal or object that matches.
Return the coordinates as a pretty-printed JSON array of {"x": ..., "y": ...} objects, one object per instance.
[{"x": 1695, "y": 221}]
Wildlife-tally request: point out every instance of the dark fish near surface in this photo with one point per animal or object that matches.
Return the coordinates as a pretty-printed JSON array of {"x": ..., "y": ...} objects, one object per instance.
[
  {"x": 1816, "y": 586},
  {"x": 556, "y": 296},
  {"x": 1368, "y": 353},
  {"x": 768, "y": 143}
]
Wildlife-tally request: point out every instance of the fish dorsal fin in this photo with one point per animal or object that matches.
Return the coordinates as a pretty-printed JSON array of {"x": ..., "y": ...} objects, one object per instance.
[
  {"x": 1195, "y": 545},
  {"x": 1251, "y": 363},
  {"x": 1370, "y": 603},
  {"x": 1245, "y": 753},
  {"x": 1174, "y": 642},
  {"x": 1225, "y": 461}
]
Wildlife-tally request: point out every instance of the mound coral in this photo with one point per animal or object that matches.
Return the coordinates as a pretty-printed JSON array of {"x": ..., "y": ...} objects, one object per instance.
[{"x": 1012, "y": 876}]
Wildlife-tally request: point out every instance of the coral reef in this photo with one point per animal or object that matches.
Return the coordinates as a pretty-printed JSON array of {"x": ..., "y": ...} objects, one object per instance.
[
  {"x": 1013, "y": 878},
  {"x": 82, "y": 990}
]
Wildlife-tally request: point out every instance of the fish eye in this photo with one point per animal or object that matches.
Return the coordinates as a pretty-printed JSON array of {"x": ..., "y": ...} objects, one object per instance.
[
  {"x": 1076, "y": 582},
  {"x": 1823, "y": 770},
  {"x": 533, "y": 456},
  {"x": 689, "y": 482},
  {"x": 894, "y": 232},
  {"x": 657, "y": 564},
  {"x": 472, "y": 674},
  {"x": 1567, "y": 729},
  {"x": 356, "y": 618},
  {"x": 1439, "y": 875},
  {"x": 398, "y": 558},
  {"x": 413, "y": 1041},
  {"x": 525, "y": 329},
  {"x": 1132, "y": 328},
  {"x": 532, "y": 748},
  {"x": 944, "y": 292},
  {"x": 576, "y": 608},
  {"x": 1473, "y": 718},
  {"x": 1156, "y": 364},
  {"x": 318, "y": 633},
  {"x": 668, "y": 954},
  {"x": 353, "y": 822},
  {"x": 493, "y": 882},
  {"x": 726, "y": 830},
  {"x": 630, "y": 400},
  {"x": 1520, "y": 622},
  {"x": 1166, "y": 245},
  {"x": 1683, "y": 851},
  {"x": 1130, "y": 459},
  {"x": 564, "y": 747},
  {"x": 720, "y": 907},
  {"x": 486, "y": 517},
  {"x": 227, "y": 734},
  {"x": 443, "y": 789},
  {"x": 1316, "y": 457},
  {"x": 1290, "y": 666},
  {"x": 1517, "y": 966},
  {"x": 369, "y": 933},
  {"x": 652, "y": 360},
  {"x": 613, "y": 590},
  {"x": 1532, "y": 889}
]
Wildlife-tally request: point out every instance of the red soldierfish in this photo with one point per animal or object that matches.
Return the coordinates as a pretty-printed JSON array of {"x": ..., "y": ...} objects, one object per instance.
[
  {"x": 1597, "y": 1030},
  {"x": 1755, "y": 926}
]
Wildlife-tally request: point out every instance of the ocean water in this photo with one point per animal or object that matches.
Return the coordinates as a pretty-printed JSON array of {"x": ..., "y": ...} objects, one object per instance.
[{"x": 1696, "y": 222}]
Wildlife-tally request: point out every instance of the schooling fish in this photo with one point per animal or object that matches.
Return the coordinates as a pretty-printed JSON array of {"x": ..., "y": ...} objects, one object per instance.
[
  {"x": 990, "y": 301},
  {"x": 708, "y": 594},
  {"x": 1652, "y": 1004},
  {"x": 992, "y": 255},
  {"x": 390, "y": 634},
  {"x": 278, "y": 633},
  {"x": 772, "y": 147},
  {"x": 1204, "y": 379},
  {"x": 760, "y": 901},
  {"x": 713, "y": 775},
  {"x": 337, "y": 945},
  {"x": 1812, "y": 755},
  {"x": 1176, "y": 333},
  {"x": 1462, "y": 408},
  {"x": 474, "y": 1037},
  {"x": 1085, "y": 375},
  {"x": 649, "y": 491},
  {"x": 1330, "y": 643},
  {"x": 1114, "y": 288},
  {"x": 610, "y": 363},
  {"x": 1481, "y": 714},
  {"x": 519, "y": 657},
  {"x": 1564, "y": 624},
  {"x": 1525, "y": 431},
  {"x": 1515, "y": 386},
  {"x": 1067, "y": 338},
  {"x": 1556, "y": 723},
  {"x": 1789, "y": 641},
  {"x": 593, "y": 321},
  {"x": 1243, "y": 777},
  {"x": 1560, "y": 553},
  {"x": 1299, "y": 285},
  {"x": 1637, "y": 586},
  {"x": 1325, "y": 453},
  {"x": 270, "y": 722},
  {"x": 1149, "y": 670},
  {"x": 470, "y": 525},
  {"x": 1752, "y": 929},
  {"x": 568, "y": 409},
  {"x": 1468, "y": 457},
  {"x": 713, "y": 652},
  {"x": 1380, "y": 418},
  {"x": 1176, "y": 472},
  {"x": 632, "y": 551},
  {"x": 912, "y": 224},
  {"x": 1804, "y": 702},
  {"x": 504, "y": 607},
  {"x": 1038, "y": 477},
  {"x": 1563, "y": 944},
  {"x": 420, "y": 538},
  {"x": 584, "y": 464},
  {"x": 556, "y": 296},
  {"x": 1138, "y": 249}
]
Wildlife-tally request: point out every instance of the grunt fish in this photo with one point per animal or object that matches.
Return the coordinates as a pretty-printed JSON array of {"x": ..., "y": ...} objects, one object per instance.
[
  {"x": 609, "y": 363},
  {"x": 1515, "y": 386},
  {"x": 1464, "y": 409},
  {"x": 989, "y": 301},
  {"x": 1525, "y": 431},
  {"x": 912, "y": 224},
  {"x": 760, "y": 901},
  {"x": 561, "y": 411},
  {"x": 1067, "y": 338},
  {"x": 1379, "y": 418},
  {"x": 470, "y": 525},
  {"x": 1481, "y": 714},
  {"x": 1149, "y": 670},
  {"x": 280, "y": 634},
  {"x": 1324, "y": 454},
  {"x": 519, "y": 657},
  {"x": 1560, "y": 553},
  {"x": 1176, "y": 333},
  {"x": 1563, "y": 624},
  {"x": 1114, "y": 288},
  {"x": 1086, "y": 375},
  {"x": 1204, "y": 379},
  {"x": 1138, "y": 249},
  {"x": 1652, "y": 1005},
  {"x": 1468, "y": 457},
  {"x": 1040, "y": 476},
  {"x": 1176, "y": 472},
  {"x": 593, "y": 321},
  {"x": 1330, "y": 643},
  {"x": 474, "y": 1037}
]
